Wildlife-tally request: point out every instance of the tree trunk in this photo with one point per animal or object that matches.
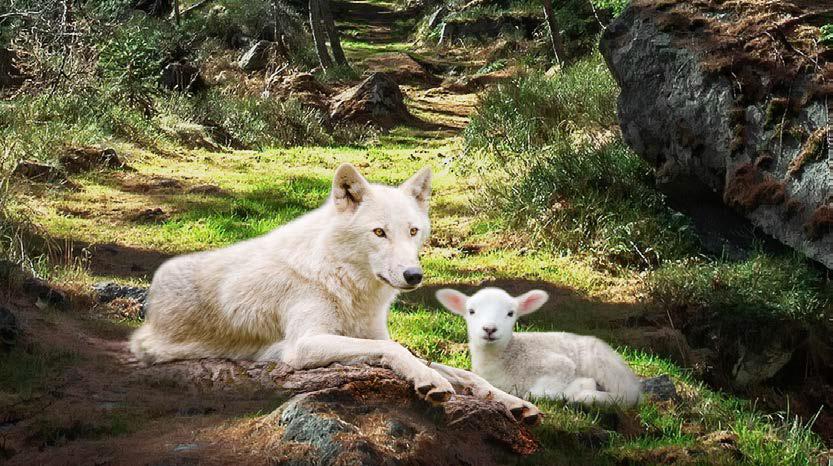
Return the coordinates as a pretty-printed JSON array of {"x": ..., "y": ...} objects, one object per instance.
[
  {"x": 332, "y": 33},
  {"x": 555, "y": 33},
  {"x": 176, "y": 12},
  {"x": 318, "y": 35}
]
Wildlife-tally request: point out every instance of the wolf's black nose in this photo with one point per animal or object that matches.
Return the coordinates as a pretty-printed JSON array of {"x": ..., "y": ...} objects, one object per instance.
[{"x": 413, "y": 275}]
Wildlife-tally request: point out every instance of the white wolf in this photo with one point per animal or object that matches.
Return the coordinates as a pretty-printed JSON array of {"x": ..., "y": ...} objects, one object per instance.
[
  {"x": 556, "y": 365},
  {"x": 313, "y": 292}
]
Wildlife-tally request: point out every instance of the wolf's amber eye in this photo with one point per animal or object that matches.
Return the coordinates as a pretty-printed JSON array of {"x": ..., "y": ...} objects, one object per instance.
[
  {"x": 379, "y": 232},
  {"x": 414, "y": 231}
]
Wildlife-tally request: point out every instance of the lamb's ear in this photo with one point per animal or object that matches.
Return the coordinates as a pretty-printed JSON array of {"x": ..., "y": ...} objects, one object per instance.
[
  {"x": 349, "y": 188},
  {"x": 531, "y": 301},
  {"x": 419, "y": 186},
  {"x": 453, "y": 300}
]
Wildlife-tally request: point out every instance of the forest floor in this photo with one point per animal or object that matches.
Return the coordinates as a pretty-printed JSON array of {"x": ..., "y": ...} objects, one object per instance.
[{"x": 77, "y": 403}]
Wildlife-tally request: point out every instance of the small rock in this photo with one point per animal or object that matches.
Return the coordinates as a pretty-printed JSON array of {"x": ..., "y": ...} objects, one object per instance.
[
  {"x": 8, "y": 329},
  {"x": 35, "y": 171},
  {"x": 181, "y": 76},
  {"x": 257, "y": 57},
  {"x": 83, "y": 159},
  {"x": 46, "y": 295},
  {"x": 108, "y": 291},
  {"x": 660, "y": 388}
]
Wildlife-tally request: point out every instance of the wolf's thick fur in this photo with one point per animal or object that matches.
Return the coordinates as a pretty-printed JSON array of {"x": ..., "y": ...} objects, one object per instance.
[
  {"x": 556, "y": 365},
  {"x": 313, "y": 292}
]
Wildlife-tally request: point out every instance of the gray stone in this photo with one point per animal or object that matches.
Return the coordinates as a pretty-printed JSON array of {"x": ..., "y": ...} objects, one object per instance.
[
  {"x": 660, "y": 388},
  {"x": 305, "y": 426},
  {"x": 108, "y": 291},
  {"x": 257, "y": 57},
  {"x": 725, "y": 154}
]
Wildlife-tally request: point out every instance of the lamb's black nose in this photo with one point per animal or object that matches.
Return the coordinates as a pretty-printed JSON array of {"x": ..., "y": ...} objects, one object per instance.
[
  {"x": 490, "y": 330},
  {"x": 413, "y": 275}
]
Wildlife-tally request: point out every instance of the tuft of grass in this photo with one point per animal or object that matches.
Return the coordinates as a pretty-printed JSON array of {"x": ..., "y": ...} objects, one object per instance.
[{"x": 781, "y": 287}]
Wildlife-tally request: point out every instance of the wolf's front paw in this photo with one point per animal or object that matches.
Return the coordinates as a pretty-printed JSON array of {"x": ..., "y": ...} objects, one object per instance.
[
  {"x": 432, "y": 386},
  {"x": 522, "y": 411}
]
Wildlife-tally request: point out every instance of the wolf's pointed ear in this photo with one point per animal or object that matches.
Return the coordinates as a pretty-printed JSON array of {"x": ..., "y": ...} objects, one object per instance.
[
  {"x": 453, "y": 300},
  {"x": 349, "y": 188},
  {"x": 419, "y": 186},
  {"x": 531, "y": 301}
]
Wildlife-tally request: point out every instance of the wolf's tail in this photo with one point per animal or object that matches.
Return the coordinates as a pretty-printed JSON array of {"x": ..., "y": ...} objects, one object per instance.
[{"x": 619, "y": 385}]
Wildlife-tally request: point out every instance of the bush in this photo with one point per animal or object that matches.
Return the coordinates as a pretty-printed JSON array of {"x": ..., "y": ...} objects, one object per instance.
[
  {"x": 760, "y": 286},
  {"x": 530, "y": 111}
]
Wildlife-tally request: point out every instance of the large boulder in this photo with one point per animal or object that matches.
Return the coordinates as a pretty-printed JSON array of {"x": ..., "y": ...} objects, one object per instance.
[
  {"x": 728, "y": 101},
  {"x": 377, "y": 100}
]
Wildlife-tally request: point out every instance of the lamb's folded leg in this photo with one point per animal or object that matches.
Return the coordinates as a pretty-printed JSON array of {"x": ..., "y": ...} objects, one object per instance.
[{"x": 461, "y": 379}]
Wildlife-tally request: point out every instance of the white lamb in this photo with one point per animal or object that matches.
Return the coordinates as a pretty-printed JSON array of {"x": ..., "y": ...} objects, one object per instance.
[{"x": 555, "y": 365}]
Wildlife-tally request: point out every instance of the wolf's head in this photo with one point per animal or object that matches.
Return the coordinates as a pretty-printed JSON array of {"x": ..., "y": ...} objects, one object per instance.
[
  {"x": 382, "y": 228},
  {"x": 491, "y": 313}
]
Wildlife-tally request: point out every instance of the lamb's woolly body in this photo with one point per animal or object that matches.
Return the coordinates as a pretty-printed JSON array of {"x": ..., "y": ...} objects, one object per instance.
[
  {"x": 556, "y": 365},
  {"x": 545, "y": 364}
]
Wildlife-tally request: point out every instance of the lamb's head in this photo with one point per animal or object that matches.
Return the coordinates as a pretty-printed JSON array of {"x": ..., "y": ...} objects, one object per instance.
[
  {"x": 381, "y": 229},
  {"x": 491, "y": 313}
]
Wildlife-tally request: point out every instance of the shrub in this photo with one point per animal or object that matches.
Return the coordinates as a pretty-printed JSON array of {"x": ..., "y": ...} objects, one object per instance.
[{"x": 530, "y": 111}]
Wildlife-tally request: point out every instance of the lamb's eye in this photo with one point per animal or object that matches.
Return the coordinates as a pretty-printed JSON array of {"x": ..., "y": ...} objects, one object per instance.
[
  {"x": 471, "y": 311},
  {"x": 414, "y": 231},
  {"x": 379, "y": 232},
  {"x": 511, "y": 313}
]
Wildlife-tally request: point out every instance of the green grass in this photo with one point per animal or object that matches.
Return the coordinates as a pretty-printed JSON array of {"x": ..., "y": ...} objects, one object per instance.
[{"x": 762, "y": 286}]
